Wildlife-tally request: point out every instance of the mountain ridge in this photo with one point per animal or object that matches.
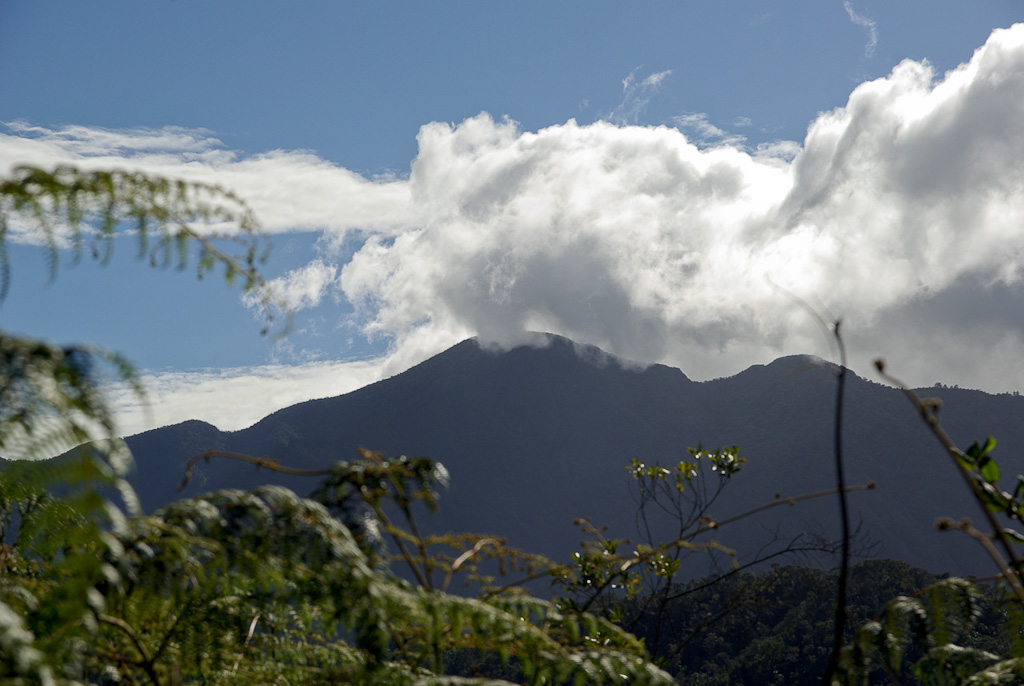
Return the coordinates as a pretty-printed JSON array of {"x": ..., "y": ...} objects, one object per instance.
[{"x": 535, "y": 437}]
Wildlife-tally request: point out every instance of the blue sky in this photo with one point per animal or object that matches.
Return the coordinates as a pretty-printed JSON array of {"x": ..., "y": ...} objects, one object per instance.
[{"x": 630, "y": 175}]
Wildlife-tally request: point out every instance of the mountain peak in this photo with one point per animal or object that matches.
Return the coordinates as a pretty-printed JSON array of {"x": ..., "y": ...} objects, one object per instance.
[{"x": 543, "y": 345}]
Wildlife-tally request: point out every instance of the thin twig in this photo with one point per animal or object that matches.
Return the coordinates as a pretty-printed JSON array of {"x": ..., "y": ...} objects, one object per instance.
[
  {"x": 964, "y": 525},
  {"x": 260, "y": 462},
  {"x": 248, "y": 639},
  {"x": 844, "y": 571},
  {"x": 779, "y": 500},
  {"x": 709, "y": 525},
  {"x": 833, "y": 328},
  {"x": 146, "y": 663},
  {"x": 423, "y": 580},
  {"x": 464, "y": 557}
]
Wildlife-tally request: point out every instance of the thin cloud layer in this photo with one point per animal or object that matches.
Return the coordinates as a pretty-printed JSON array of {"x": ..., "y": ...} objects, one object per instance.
[
  {"x": 288, "y": 190},
  {"x": 899, "y": 211},
  {"x": 254, "y": 393}
]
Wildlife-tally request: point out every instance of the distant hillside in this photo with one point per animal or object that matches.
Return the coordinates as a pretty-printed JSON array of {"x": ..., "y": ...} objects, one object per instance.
[{"x": 535, "y": 437}]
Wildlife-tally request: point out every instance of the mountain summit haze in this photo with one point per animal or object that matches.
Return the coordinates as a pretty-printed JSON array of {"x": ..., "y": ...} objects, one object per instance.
[{"x": 538, "y": 436}]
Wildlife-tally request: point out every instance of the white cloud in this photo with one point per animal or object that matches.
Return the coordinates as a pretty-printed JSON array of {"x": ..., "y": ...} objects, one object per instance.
[
  {"x": 706, "y": 132},
  {"x": 300, "y": 288},
  {"x": 654, "y": 80},
  {"x": 288, "y": 190},
  {"x": 784, "y": 151},
  {"x": 606, "y": 233},
  {"x": 234, "y": 399},
  {"x": 84, "y": 141},
  {"x": 899, "y": 211}
]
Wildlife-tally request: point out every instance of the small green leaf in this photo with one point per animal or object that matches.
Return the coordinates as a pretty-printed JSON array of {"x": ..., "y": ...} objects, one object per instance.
[
  {"x": 989, "y": 469},
  {"x": 996, "y": 500}
]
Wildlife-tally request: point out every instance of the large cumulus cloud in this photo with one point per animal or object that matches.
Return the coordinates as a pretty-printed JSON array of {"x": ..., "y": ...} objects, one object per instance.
[
  {"x": 901, "y": 212},
  {"x": 634, "y": 238},
  {"x": 627, "y": 237}
]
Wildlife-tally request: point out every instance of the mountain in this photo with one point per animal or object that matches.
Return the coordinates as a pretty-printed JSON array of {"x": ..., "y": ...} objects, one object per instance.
[{"x": 535, "y": 437}]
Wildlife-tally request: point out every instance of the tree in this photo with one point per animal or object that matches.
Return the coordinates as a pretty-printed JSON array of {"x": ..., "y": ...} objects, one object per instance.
[{"x": 233, "y": 586}]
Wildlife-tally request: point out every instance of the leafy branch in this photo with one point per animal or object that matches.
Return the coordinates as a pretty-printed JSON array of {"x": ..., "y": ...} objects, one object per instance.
[
  {"x": 88, "y": 210},
  {"x": 980, "y": 474},
  {"x": 636, "y": 588}
]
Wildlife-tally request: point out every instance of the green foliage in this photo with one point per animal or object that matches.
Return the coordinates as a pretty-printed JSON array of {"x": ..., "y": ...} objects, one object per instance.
[
  {"x": 926, "y": 635},
  {"x": 771, "y": 627},
  {"x": 251, "y": 586},
  {"x": 978, "y": 461},
  {"x": 635, "y": 584},
  {"x": 62, "y": 552},
  {"x": 606, "y": 567}
]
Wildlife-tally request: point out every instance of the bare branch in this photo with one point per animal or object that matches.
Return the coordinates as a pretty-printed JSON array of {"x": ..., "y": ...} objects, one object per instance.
[{"x": 260, "y": 462}]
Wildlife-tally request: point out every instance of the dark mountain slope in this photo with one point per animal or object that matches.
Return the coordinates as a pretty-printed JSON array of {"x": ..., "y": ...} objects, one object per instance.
[{"x": 535, "y": 437}]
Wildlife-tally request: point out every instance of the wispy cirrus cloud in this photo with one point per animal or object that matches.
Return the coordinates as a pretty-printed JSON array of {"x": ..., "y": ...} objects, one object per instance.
[
  {"x": 235, "y": 398},
  {"x": 288, "y": 190},
  {"x": 870, "y": 27},
  {"x": 636, "y": 94},
  {"x": 85, "y": 141},
  {"x": 704, "y": 131}
]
